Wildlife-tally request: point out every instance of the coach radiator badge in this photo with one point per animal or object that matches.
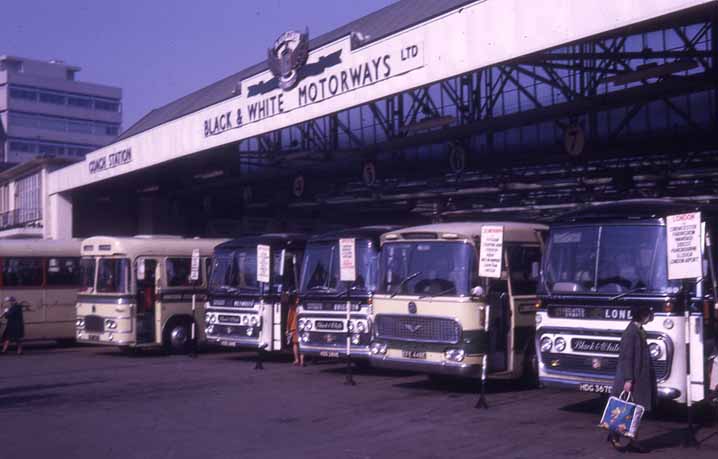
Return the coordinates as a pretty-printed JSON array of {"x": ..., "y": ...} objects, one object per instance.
[
  {"x": 287, "y": 56},
  {"x": 412, "y": 307}
]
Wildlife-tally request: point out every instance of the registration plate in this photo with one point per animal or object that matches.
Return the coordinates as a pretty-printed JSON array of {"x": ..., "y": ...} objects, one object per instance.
[
  {"x": 329, "y": 354},
  {"x": 414, "y": 355},
  {"x": 597, "y": 388},
  {"x": 228, "y": 343},
  {"x": 93, "y": 337}
]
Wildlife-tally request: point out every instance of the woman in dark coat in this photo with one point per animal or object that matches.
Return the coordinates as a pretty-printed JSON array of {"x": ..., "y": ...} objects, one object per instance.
[
  {"x": 635, "y": 374},
  {"x": 15, "y": 328}
]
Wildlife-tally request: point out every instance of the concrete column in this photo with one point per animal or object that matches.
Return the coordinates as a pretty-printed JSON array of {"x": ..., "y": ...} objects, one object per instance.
[{"x": 58, "y": 217}]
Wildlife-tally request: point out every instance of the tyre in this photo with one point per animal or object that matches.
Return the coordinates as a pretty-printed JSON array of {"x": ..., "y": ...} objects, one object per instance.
[
  {"x": 529, "y": 375},
  {"x": 177, "y": 336}
]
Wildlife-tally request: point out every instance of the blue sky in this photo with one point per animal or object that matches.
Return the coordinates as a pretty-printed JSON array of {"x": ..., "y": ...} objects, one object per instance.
[{"x": 157, "y": 51}]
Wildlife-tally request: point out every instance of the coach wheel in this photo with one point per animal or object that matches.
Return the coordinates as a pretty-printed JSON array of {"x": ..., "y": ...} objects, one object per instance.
[{"x": 177, "y": 337}]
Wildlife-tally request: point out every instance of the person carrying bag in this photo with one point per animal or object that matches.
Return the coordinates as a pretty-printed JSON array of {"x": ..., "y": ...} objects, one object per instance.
[{"x": 635, "y": 386}]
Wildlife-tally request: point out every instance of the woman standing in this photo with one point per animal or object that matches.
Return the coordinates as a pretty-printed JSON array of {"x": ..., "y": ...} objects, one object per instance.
[
  {"x": 15, "y": 328},
  {"x": 293, "y": 333},
  {"x": 635, "y": 374}
]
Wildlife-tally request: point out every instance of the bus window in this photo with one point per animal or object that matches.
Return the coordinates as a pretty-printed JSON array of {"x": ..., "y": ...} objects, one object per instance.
[
  {"x": 112, "y": 275},
  {"x": 22, "y": 272},
  {"x": 178, "y": 273},
  {"x": 87, "y": 275},
  {"x": 521, "y": 260},
  {"x": 63, "y": 272}
]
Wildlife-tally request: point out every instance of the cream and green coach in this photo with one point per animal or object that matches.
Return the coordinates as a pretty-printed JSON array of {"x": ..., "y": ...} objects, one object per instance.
[
  {"x": 434, "y": 314},
  {"x": 143, "y": 291}
]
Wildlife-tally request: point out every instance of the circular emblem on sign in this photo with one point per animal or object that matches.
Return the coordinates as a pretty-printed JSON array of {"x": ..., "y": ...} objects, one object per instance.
[
  {"x": 298, "y": 186},
  {"x": 457, "y": 158},
  {"x": 287, "y": 56},
  {"x": 574, "y": 140},
  {"x": 368, "y": 173},
  {"x": 412, "y": 307}
]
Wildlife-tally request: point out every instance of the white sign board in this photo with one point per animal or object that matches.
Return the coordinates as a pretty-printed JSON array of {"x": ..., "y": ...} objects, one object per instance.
[
  {"x": 263, "y": 263},
  {"x": 194, "y": 271},
  {"x": 492, "y": 243},
  {"x": 683, "y": 239},
  {"x": 347, "y": 260}
]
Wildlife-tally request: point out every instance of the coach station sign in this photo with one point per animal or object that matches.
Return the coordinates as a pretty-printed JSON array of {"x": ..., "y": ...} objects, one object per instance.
[{"x": 110, "y": 160}]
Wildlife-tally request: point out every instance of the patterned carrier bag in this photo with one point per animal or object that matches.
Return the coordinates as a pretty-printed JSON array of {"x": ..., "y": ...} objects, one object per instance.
[{"x": 622, "y": 416}]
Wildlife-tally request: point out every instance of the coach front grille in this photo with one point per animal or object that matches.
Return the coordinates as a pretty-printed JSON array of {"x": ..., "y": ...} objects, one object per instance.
[
  {"x": 418, "y": 328},
  {"x": 94, "y": 324},
  {"x": 604, "y": 367}
]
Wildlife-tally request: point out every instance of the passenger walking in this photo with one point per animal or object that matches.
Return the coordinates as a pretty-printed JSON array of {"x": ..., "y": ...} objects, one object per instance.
[
  {"x": 15, "y": 328},
  {"x": 293, "y": 333},
  {"x": 635, "y": 374}
]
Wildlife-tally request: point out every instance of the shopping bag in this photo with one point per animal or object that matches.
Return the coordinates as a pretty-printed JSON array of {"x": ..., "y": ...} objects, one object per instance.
[{"x": 622, "y": 416}]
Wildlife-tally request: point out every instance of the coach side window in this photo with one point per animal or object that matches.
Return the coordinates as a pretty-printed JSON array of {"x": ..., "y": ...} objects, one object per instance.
[
  {"x": 63, "y": 272},
  {"x": 178, "y": 273},
  {"x": 22, "y": 272}
]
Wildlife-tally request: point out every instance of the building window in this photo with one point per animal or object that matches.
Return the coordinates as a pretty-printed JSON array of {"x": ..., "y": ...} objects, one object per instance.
[
  {"x": 54, "y": 123},
  {"x": 52, "y": 150},
  {"x": 51, "y": 98},
  {"x": 82, "y": 102},
  {"x": 28, "y": 198},
  {"x": 109, "y": 106},
  {"x": 23, "y": 147},
  {"x": 29, "y": 93},
  {"x": 4, "y": 199},
  {"x": 24, "y": 94}
]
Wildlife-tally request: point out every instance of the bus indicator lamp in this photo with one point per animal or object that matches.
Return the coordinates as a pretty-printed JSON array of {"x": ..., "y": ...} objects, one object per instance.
[
  {"x": 250, "y": 331},
  {"x": 356, "y": 338},
  {"x": 668, "y": 306},
  {"x": 305, "y": 337},
  {"x": 253, "y": 321},
  {"x": 454, "y": 355},
  {"x": 300, "y": 324},
  {"x": 668, "y": 324},
  {"x": 80, "y": 323},
  {"x": 361, "y": 328}
]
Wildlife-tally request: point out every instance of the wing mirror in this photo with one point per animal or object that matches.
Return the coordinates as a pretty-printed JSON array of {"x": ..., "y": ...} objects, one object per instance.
[{"x": 478, "y": 292}]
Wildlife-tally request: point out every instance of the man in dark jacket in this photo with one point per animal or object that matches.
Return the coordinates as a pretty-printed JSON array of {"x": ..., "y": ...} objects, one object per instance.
[
  {"x": 635, "y": 374},
  {"x": 15, "y": 328}
]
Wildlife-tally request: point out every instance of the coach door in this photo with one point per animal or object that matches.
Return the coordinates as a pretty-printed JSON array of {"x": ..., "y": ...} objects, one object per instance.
[{"x": 146, "y": 299}]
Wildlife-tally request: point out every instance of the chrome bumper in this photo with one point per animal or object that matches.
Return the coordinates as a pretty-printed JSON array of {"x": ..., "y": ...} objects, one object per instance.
[
  {"x": 668, "y": 393},
  {"x": 362, "y": 352},
  {"x": 233, "y": 342},
  {"x": 463, "y": 370}
]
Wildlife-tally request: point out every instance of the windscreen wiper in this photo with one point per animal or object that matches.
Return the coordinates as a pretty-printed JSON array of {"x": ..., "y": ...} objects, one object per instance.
[
  {"x": 627, "y": 292},
  {"x": 404, "y": 281},
  {"x": 448, "y": 290}
]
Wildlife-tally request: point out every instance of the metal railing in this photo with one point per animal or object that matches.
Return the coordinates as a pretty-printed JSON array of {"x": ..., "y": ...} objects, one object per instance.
[{"x": 21, "y": 218}]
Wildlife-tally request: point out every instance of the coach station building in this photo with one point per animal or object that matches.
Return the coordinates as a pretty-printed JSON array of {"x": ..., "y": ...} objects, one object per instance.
[{"x": 423, "y": 111}]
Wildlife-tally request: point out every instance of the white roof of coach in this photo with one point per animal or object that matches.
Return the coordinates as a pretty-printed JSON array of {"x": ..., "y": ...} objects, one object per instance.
[
  {"x": 148, "y": 246},
  {"x": 40, "y": 248},
  {"x": 513, "y": 231}
]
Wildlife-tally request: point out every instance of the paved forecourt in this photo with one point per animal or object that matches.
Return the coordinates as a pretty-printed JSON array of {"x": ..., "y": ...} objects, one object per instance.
[{"x": 88, "y": 402}]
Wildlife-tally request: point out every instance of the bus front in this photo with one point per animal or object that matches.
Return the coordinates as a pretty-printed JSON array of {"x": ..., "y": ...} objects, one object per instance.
[
  {"x": 425, "y": 318},
  {"x": 105, "y": 304},
  {"x": 241, "y": 311},
  {"x": 322, "y": 317},
  {"x": 592, "y": 274}
]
